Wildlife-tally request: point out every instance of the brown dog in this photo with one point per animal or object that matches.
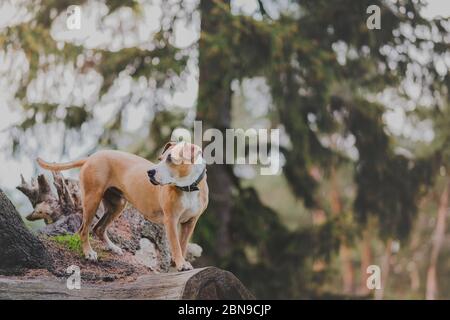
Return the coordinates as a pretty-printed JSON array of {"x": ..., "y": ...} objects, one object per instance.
[{"x": 176, "y": 193}]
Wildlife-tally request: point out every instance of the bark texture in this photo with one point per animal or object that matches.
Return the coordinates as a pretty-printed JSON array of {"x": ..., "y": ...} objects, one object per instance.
[
  {"x": 438, "y": 239},
  {"x": 205, "y": 283},
  {"x": 214, "y": 109},
  {"x": 19, "y": 248}
]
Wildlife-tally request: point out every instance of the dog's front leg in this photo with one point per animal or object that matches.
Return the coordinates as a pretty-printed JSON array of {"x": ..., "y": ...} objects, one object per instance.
[
  {"x": 170, "y": 224},
  {"x": 187, "y": 229}
]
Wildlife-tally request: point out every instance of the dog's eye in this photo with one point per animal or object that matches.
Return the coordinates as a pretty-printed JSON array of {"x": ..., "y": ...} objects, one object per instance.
[{"x": 169, "y": 158}]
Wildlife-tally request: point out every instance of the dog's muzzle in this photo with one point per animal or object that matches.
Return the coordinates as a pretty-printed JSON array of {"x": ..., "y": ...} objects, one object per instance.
[{"x": 151, "y": 176}]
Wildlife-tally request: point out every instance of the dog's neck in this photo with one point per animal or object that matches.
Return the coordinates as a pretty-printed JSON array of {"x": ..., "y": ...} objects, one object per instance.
[{"x": 194, "y": 185}]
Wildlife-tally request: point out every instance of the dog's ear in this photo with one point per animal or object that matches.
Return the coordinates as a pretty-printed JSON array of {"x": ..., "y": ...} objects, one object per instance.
[{"x": 167, "y": 146}]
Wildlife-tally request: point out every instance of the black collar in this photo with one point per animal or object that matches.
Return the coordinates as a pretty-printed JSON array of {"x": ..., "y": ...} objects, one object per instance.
[{"x": 194, "y": 186}]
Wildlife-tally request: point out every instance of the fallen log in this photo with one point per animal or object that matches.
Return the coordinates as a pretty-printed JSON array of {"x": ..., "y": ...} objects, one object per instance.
[{"x": 204, "y": 283}]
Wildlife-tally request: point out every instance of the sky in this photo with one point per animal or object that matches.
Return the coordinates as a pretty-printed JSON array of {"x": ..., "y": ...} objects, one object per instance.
[
  {"x": 437, "y": 8},
  {"x": 10, "y": 168}
]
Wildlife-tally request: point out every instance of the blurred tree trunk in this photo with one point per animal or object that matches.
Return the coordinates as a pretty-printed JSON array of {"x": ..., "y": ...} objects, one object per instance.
[
  {"x": 385, "y": 266},
  {"x": 347, "y": 269},
  {"x": 19, "y": 248},
  {"x": 366, "y": 260},
  {"x": 214, "y": 110},
  {"x": 438, "y": 238},
  {"x": 416, "y": 245}
]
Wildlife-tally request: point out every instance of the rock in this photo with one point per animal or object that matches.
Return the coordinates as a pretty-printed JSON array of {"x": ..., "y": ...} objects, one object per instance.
[
  {"x": 147, "y": 254},
  {"x": 65, "y": 225},
  {"x": 194, "y": 251},
  {"x": 157, "y": 235}
]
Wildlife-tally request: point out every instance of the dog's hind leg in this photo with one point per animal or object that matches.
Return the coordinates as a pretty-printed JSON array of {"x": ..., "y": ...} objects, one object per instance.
[{"x": 114, "y": 204}]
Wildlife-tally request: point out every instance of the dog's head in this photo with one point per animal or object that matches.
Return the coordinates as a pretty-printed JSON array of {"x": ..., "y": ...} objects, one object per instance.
[{"x": 180, "y": 164}]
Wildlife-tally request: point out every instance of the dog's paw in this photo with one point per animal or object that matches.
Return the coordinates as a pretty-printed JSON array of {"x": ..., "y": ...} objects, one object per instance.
[
  {"x": 185, "y": 266},
  {"x": 91, "y": 255},
  {"x": 115, "y": 249}
]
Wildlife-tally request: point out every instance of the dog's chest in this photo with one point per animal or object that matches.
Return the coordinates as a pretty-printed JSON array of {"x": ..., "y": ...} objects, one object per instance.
[{"x": 190, "y": 203}]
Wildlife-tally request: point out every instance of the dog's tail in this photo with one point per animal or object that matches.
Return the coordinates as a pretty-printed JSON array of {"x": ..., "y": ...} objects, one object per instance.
[{"x": 60, "y": 166}]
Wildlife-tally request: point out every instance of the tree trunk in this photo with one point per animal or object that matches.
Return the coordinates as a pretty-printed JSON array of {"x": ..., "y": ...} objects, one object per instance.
[
  {"x": 348, "y": 272},
  {"x": 214, "y": 109},
  {"x": 19, "y": 248},
  {"x": 366, "y": 260},
  {"x": 205, "y": 283},
  {"x": 415, "y": 247},
  {"x": 347, "y": 269},
  {"x": 385, "y": 266},
  {"x": 438, "y": 238}
]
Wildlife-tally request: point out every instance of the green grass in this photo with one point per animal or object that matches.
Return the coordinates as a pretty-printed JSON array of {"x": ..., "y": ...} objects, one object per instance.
[
  {"x": 70, "y": 241},
  {"x": 73, "y": 243}
]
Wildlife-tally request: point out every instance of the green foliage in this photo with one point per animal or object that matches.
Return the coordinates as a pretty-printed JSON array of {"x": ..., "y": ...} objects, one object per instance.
[
  {"x": 70, "y": 241},
  {"x": 140, "y": 63},
  {"x": 115, "y": 4},
  {"x": 316, "y": 95},
  {"x": 389, "y": 184},
  {"x": 165, "y": 63},
  {"x": 272, "y": 260}
]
